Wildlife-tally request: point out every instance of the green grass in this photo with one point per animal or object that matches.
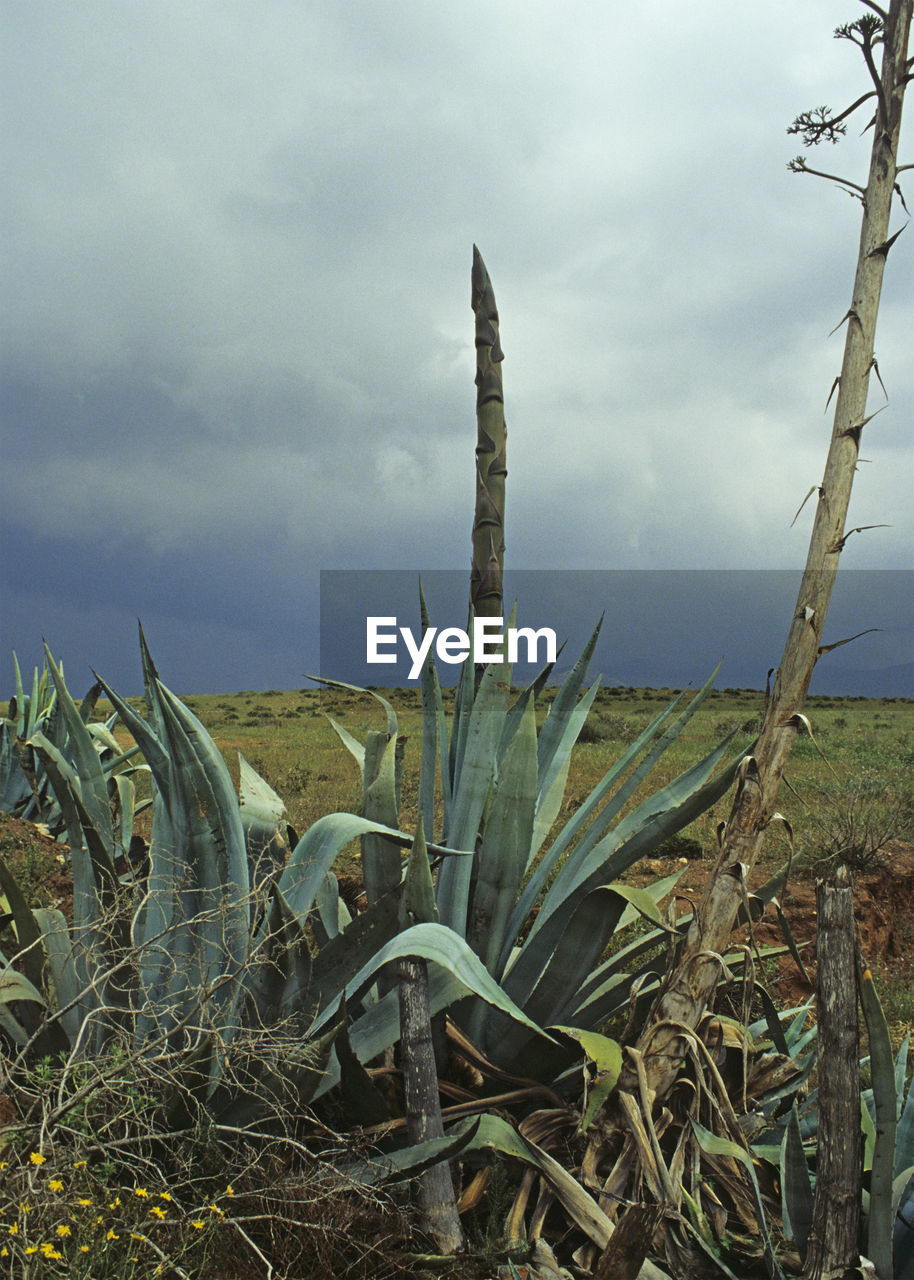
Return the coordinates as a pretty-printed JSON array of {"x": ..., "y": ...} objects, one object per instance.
[{"x": 287, "y": 737}]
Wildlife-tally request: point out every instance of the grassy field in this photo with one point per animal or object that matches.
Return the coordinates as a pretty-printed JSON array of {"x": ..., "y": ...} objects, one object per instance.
[{"x": 861, "y": 756}]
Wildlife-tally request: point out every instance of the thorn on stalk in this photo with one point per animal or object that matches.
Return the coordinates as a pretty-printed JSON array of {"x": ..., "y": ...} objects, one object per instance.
[
  {"x": 850, "y": 314},
  {"x": 855, "y": 431},
  {"x": 861, "y": 528},
  {"x": 803, "y": 504},
  {"x": 886, "y": 245},
  {"x": 827, "y": 648},
  {"x": 834, "y": 386},
  {"x": 874, "y": 365}
]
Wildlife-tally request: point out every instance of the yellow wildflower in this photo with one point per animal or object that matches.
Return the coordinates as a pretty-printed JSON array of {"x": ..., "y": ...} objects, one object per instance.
[
  {"x": 83, "y": 1248},
  {"x": 37, "y": 1158},
  {"x": 214, "y": 1208},
  {"x": 84, "y": 1202},
  {"x": 79, "y": 1164},
  {"x": 31, "y": 1248},
  {"x": 112, "y": 1234},
  {"x": 13, "y": 1229},
  {"x": 229, "y": 1190},
  {"x": 55, "y": 1184},
  {"x": 64, "y": 1230},
  {"x": 198, "y": 1225},
  {"x": 158, "y": 1211},
  {"x": 115, "y": 1203},
  {"x": 52, "y": 1254},
  {"x": 165, "y": 1195},
  {"x": 141, "y": 1192}
]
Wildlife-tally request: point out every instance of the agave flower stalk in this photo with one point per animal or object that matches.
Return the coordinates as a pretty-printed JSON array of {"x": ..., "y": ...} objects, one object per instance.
[
  {"x": 685, "y": 997},
  {"x": 491, "y": 470}
]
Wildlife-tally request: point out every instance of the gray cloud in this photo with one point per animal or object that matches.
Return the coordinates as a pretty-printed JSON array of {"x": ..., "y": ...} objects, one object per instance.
[{"x": 237, "y": 331}]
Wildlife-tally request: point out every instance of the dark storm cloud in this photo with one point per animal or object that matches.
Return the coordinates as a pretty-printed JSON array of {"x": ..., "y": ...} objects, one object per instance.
[{"x": 236, "y": 329}]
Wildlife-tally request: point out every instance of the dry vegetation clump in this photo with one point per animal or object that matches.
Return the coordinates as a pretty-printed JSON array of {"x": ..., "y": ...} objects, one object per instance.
[{"x": 95, "y": 1185}]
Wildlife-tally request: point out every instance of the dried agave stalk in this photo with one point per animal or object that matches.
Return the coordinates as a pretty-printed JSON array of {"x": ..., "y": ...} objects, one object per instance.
[{"x": 685, "y": 995}]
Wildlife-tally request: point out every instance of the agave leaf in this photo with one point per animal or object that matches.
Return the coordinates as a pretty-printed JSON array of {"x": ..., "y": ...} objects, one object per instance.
[
  {"x": 392, "y": 728},
  {"x": 496, "y": 1134},
  {"x": 410, "y": 1162},
  {"x": 320, "y": 845},
  {"x": 381, "y": 859},
  {"x": 547, "y": 976},
  {"x": 431, "y": 694},
  {"x": 609, "y": 988},
  {"x": 417, "y": 902},
  {"x": 557, "y": 961},
  {"x": 714, "y": 1145},
  {"x": 195, "y": 927},
  {"x": 279, "y": 979},
  {"x": 379, "y": 1026},
  {"x": 796, "y": 1185},
  {"x": 585, "y": 813},
  {"x": 505, "y": 844},
  {"x": 904, "y": 1134},
  {"x": 125, "y": 789},
  {"x": 605, "y": 1055},
  {"x": 556, "y": 724},
  {"x": 352, "y": 745},
  {"x": 516, "y": 710},
  {"x": 149, "y": 737},
  {"x": 547, "y": 809},
  {"x": 331, "y": 915},
  {"x": 65, "y": 992},
  {"x": 471, "y": 792},
  {"x": 16, "y": 986},
  {"x": 93, "y": 788},
  {"x": 262, "y": 813},
  {"x": 28, "y": 931},
  {"x": 442, "y": 947},
  {"x": 316, "y": 852},
  {"x": 901, "y": 1071},
  {"x": 657, "y": 818},
  {"x": 341, "y": 958},
  {"x": 560, "y": 757},
  {"x": 24, "y": 709},
  {"x": 880, "y": 1220}
]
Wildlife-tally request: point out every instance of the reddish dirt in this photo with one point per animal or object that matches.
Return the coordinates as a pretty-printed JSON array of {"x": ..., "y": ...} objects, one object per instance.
[
  {"x": 884, "y": 911},
  {"x": 35, "y": 859}
]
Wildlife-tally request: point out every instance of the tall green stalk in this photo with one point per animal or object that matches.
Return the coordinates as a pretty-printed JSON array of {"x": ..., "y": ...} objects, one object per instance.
[{"x": 489, "y": 522}]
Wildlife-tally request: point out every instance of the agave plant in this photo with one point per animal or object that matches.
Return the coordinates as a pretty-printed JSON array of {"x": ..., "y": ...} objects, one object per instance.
[
  {"x": 39, "y": 719},
  {"x": 204, "y": 947},
  {"x": 539, "y": 909}
]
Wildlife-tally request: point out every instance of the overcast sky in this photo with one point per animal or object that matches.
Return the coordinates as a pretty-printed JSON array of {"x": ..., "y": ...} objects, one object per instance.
[{"x": 237, "y": 343}]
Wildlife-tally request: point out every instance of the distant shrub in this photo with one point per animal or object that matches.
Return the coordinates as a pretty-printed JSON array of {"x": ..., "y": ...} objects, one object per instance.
[{"x": 858, "y": 817}]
